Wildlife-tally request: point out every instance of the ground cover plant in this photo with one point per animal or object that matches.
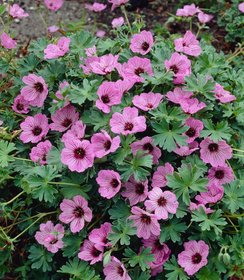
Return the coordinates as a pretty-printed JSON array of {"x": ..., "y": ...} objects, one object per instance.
[{"x": 121, "y": 156}]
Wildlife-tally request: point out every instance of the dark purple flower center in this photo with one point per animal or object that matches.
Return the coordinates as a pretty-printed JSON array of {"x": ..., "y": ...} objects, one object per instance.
[
  {"x": 158, "y": 245},
  {"x": 78, "y": 212},
  {"x": 213, "y": 147},
  {"x": 191, "y": 132},
  {"x": 67, "y": 122},
  {"x": 149, "y": 105},
  {"x": 139, "y": 189},
  {"x": 105, "y": 99},
  {"x": 128, "y": 126},
  {"x": 20, "y": 107},
  {"x": 145, "y": 219},
  {"x": 54, "y": 241},
  {"x": 162, "y": 201},
  {"x": 95, "y": 253},
  {"x": 107, "y": 145},
  {"x": 114, "y": 183},
  {"x": 79, "y": 153},
  {"x": 38, "y": 87},
  {"x": 44, "y": 158},
  {"x": 120, "y": 271},
  {"x": 174, "y": 68},
  {"x": 219, "y": 174},
  {"x": 139, "y": 71},
  {"x": 196, "y": 258},
  {"x": 37, "y": 130},
  {"x": 148, "y": 147},
  {"x": 145, "y": 46}
]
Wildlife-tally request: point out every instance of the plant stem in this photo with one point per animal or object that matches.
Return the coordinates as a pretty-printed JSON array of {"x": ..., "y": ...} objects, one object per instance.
[
  {"x": 126, "y": 18},
  {"x": 63, "y": 183},
  {"x": 11, "y": 200},
  {"x": 232, "y": 224},
  {"x": 238, "y": 155},
  {"x": 23, "y": 159},
  {"x": 242, "y": 151}
]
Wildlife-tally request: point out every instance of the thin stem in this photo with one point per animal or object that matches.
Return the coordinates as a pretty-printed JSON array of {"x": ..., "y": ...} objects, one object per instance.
[
  {"x": 13, "y": 199},
  {"x": 126, "y": 18},
  {"x": 242, "y": 151},
  {"x": 232, "y": 224},
  {"x": 190, "y": 24},
  {"x": 63, "y": 183},
  {"x": 237, "y": 155},
  {"x": 23, "y": 159}
]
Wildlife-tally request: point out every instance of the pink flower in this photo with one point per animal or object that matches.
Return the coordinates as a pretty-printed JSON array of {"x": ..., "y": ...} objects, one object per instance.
[
  {"x": 59, "y": 94},
  {"x": 75, "y": 212},
  {"x": 161, "y": 254},
  {"x": 109, "y": 183},
  {"x": 187, "y": 150},
  {"x": 192, "y": 105},
  {"x": 180, "y": 65},
  {"x": 17, "y": 12},
  {"x": 40, "y": 152},
  {"x": 188, "y": 44},
  {"x": 197, "y": 206},
  {"x": 194, "y": 256},
  {"x": 91, "y": 252},
  {"x": 135, "y": 191},
  {"x": 64, "y": 118},
  {"x": 128, "y": 122},
  {"x": 7, "y": 42},
  {"x": 204, "y": 18},
  {"x": 118, "y": 22},
  {"x": 103, "y": 144},
  {"x": 146, "y": 223},
  {"x": 188, "y": 10},
  {"x": 34, "y": 128},
  {"x": 53, "y": 28},
  {"x": 195, "y": 127},
  {"x": 99, "y": 236},
  {"x": 115, "y": 269},
  {"x": 124, "y": 85},
  {"x": 220, "y": 174},
  {"x": 241, "y": 7},
  {"x": 95, "y": 7},
  {"x": 54, "y": 5},
  {"x": 146, "y": 144},
  {"x": 90, "y": 52},
  {"x": 77, "y": 131},
  {"x": 57, "y": 50},
  {"x": 142, "y": 43},
  {"x": 109, "y": 95},
  {"x": 147, "y": 101},
  {"x": 20, "y": 105},
  {"x": 50, "y": 236},
  {"x": 161, "y": 203},
  {"x": 178, "y": 95},
  {"x": 223, "y": 95},
  {"x": 159, "y": 177},
  {"x": 35, "y": 91},
  {"x": 100, "y": 33},
  {"x": 213, "y": 194},
  {"x": 104, "y": 65},
  {"x": 117, "y": 3},
  {"x": 78, "y": 155},
  {"x": 215, "y": 153},
  {"x": 133, "y": 69}
]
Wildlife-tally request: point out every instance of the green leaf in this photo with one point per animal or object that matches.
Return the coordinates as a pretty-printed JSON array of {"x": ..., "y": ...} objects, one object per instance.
[
  {"x": 207, "y": 274},
  {"x": 72, "y": 245},
  {"x": 234, "y": 196},
  {"x": 177, "y": 273},
  {"x": 140, "y": 275},
  {"x": 142, "y": 259},
  {"x": 216, "y": 132},
  {"x": 124, "y": 150},
  {"x": 5, "y": 149},
  {"x": 80, "y": 41},
  {"x": 120, "y": 210},
  {"x": 53, "y": 72},
  {"x": 169, "y": 135},
  {"x": 4, "y": 66},
  {"x": 40, "y": 258},
  {"x": 96, "y": 118},
  {"x": 172, "y": 230}
]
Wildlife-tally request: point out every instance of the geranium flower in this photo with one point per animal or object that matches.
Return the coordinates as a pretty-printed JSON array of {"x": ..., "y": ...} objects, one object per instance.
[
  {"x": 146, "y": 145},
  {"x": 54, "y": 5},
  {"x": 95, "y": 7},
  {"x": 90, "y": 52},
  {"x": 180, "y": 65},
  {"x": 135, "y": 191},
  {"x": 213, "y": 194},
  {"x": 204, "y": 18},
  {"x": 108, "y": 95},
  {"x": 77, "y": 131},
  {"x": 197, "y": 206},
  {"x": 195, "y": 127},
  {"x": 34, "y": 128},
  {"x": 115, "y": 270},
  {"x": 64, "y": 118},
  {"x": 100, "y": 33},
  {"x": 50, "y": 236},
  {"x": 17, "y": 12},
  {"x": 128, "y": 122},
  {"x": 145, "y": 222},
  {"x": 241, "y": 7},
  {"x": 75, "y": 212},
  {"x": 21, "y": 105},
  {"x": 7, "y": 42},
  {"x": 194, "y": 257},
  {"x": 161, "y": 203},
  {"x": 188, "y": 44},
  {"x": 142, "y": 43},
  {"x": 59, "y": 93},
  {"x": 117, "y": 3},
  {"x": 159, "y": 177},
  {"x": 124, "y": 85},
  {"x": 77, "y": 155},
  {"x": 91, "y": 252},
  {"x": 192, "y": 105},
  {"x": 57, "y": 50},
  {"x": 102, "y": 65},
  {"x": 178, "y": 95},
  {"x": 109, "y": 183},
  {"x": 223, "y": 95},
  {"x": 147, "y": 101},
  {"x": 187, "y": 150},
  {"x": 40, "y": 152},
  {"x": 187, "y": 11},
  {"x": 215, "y": 153},
  {"x": 220, "y": 174},
  {"x": 53, "y": 28},
  {"x": 35, "y": 91},
  {"x": 103, "y": 144},
  {"x": 118, "y": 22},
  {"x": 99, "y": 236}
]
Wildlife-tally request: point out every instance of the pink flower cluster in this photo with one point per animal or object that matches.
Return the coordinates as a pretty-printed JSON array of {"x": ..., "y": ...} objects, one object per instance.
[{"x": 191, "y": 10}]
